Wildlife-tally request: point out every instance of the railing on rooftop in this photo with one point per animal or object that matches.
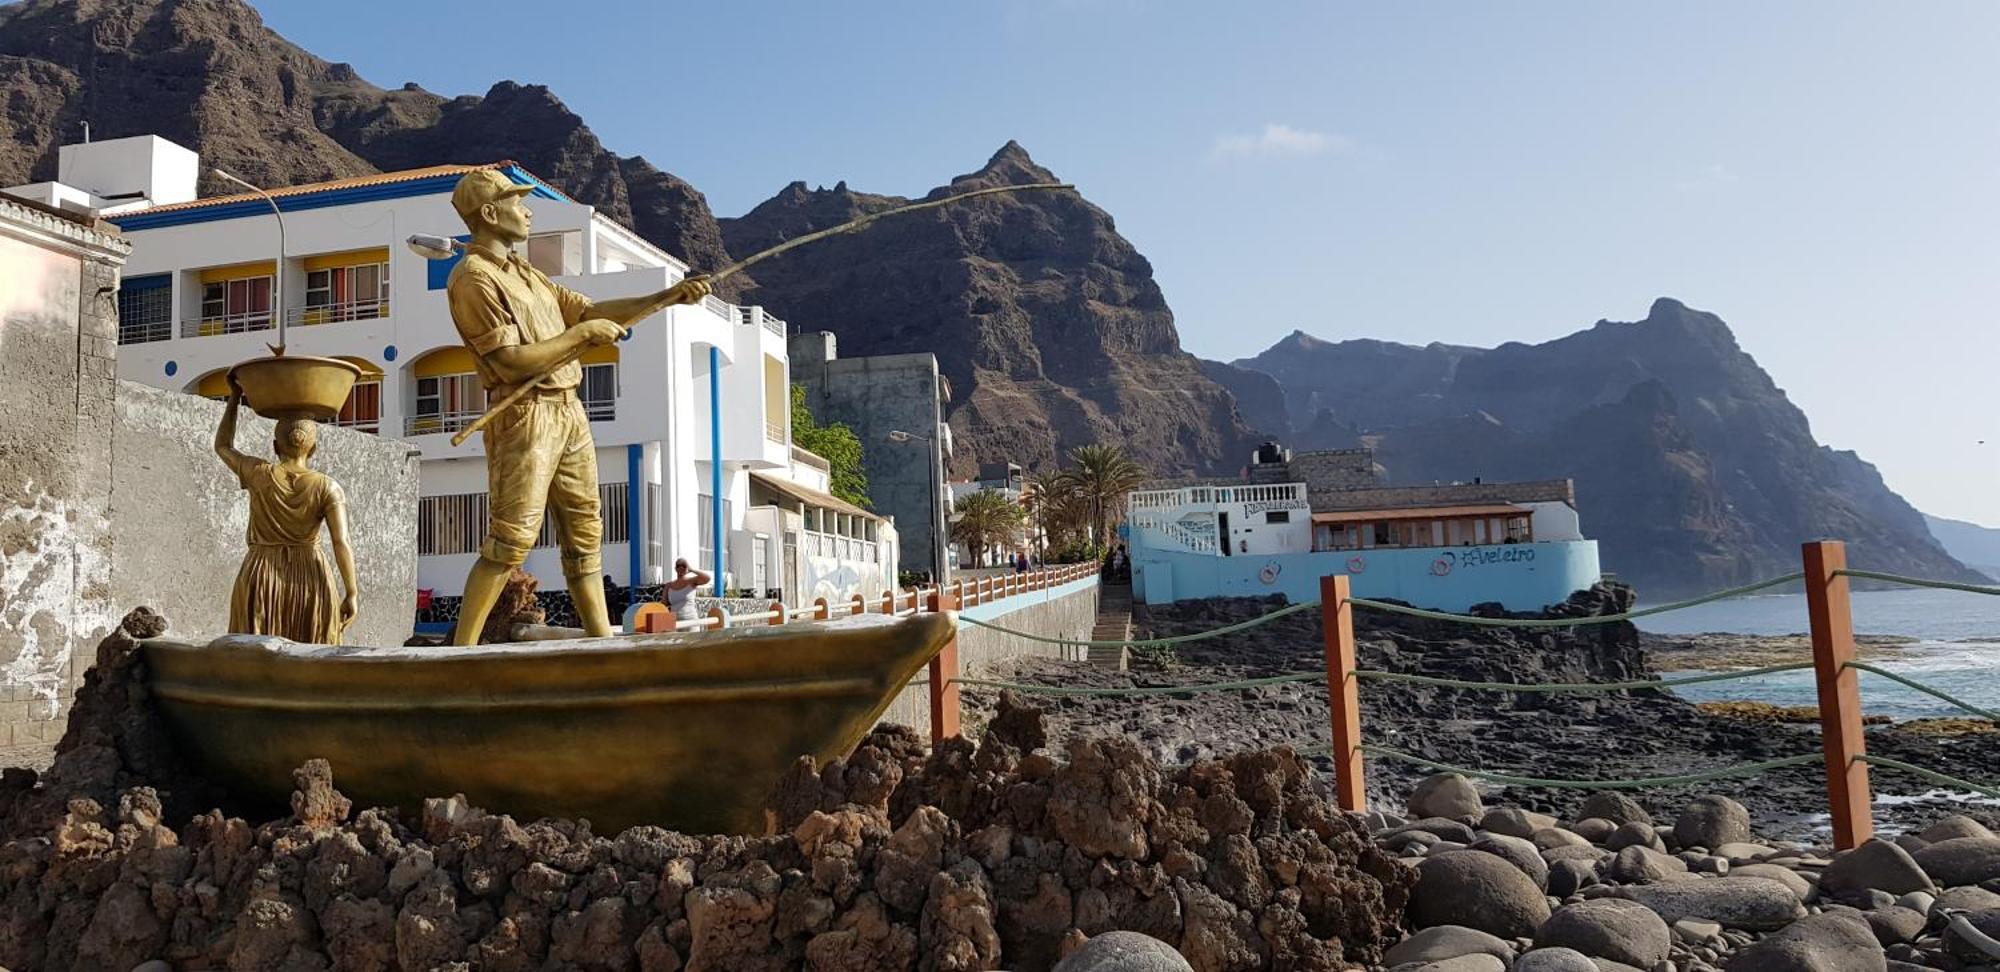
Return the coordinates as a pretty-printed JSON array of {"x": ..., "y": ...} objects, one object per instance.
[
  {"x": 718, "y": 307},
  {"x": 756, "y": 315},
  {"x": 1160, "y": 499}
]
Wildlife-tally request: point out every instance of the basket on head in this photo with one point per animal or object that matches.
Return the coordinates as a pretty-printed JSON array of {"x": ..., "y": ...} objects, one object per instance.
[{"x": 296, "y": 386}]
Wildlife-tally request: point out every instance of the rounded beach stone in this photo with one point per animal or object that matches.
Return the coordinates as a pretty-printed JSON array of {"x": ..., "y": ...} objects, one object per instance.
[
  {"x": 1743, "y": 852},
  {"x": 1961, "y": 861},
  {"x": 1748, "y": 903},
  {"x": 1635, "y": 835},
  {"x": 1568, "y": 877},
  {"x": 1463, "y": 963},
  {"x": 1875, "y": 865},
  {"x": 1797, "y": 882},
  {"x": 1612, "y": 928},
  {"x": 1550, "y": 838},
  {"x": 1952, "y": 827},
  {"x": 1513, "y": 822},
  {"x": 1712, "y": 821},
  {"x": 1985, "y": 922},
  {"x": 1124, "y": 951},
  {"x": 1615, "y": 807},
  {"x": 1477, "y": 890},
  {"x": 1446, "y": 795},
  {"x": 1444, "y": 942},
  {"x": 1443, "y": 828},
  {"x": 1519, "y": 853},
  {"x": 1597, "y": 830},
  {"x": 1554, "y": 960},
  {"x": 1643, "y": 865},
  {"x": 1966, "y": 899},
  {"x": 1829, "y": 942},
  {"x": 1895, "y": 924}
]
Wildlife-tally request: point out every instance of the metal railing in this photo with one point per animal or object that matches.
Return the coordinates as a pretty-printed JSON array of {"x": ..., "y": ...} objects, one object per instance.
[
  {"x": 756, "y": 315},
  {"x": 371, "y": 423},
  {"x": 1162, "y": 499},
  {"x": 1173, "y": 531},
  {"x": 353, "y": 310},
  {"x": 440, "y": 422},
  {"x": 600, "y": 409},
  {"x": 142, "y": 332},
  {"x": 718, "y": 307},
  {"x": 228, "y": 324}
]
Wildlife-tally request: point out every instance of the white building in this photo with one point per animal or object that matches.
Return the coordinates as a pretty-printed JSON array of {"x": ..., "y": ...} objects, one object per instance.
[{"x": 199, "y": 295}]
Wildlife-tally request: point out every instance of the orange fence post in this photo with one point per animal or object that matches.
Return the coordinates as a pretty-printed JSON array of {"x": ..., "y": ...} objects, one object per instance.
[
  {"x": 821, "y": 610},
  {"x": 858, "y": 605},
  {"x": 777, "y": 609},
  {"x": 888, "y": 602},
  {"x": 721, "y": 617},
  {"x": 944, "y": 668},
  {"x": 653, "y": 618},
  {"x": 1343, "y": 692},
  {"x": 1832, "y": 617}
]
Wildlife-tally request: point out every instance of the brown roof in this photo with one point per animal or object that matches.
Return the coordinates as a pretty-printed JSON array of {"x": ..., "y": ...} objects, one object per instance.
[
  {"x": 1420, "y": 513},
  {"x": 378, "y": 179},
  {"x": 810, "y": 497}
]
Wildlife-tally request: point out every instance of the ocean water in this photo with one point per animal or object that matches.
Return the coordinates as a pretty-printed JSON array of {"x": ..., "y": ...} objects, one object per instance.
[{"x": 1959, "y": 650}]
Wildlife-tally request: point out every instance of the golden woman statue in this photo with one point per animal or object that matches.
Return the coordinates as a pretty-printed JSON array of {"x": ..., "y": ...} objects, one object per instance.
[{"x": 285, "y": 587}]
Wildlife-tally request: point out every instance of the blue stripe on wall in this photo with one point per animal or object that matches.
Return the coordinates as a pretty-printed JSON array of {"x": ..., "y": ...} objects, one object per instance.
[
  {"x": 430, "y": 185},
  {"x": 635, "y": 495},
  {"x": 993, "y": 611},
  {"x": 439, "y": 271}
]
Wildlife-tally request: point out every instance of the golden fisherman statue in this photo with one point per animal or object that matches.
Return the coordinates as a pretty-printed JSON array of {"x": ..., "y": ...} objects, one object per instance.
[
  {"x": 284, "y": 587},
  {"x": 525, "y": 333}
]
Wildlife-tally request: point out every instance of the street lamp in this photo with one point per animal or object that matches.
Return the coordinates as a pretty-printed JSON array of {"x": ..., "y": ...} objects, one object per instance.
[
  {"x": 434, "y": 247},
  {"x": 931, "y": 461},
  {"x": 278, "y": 269}
]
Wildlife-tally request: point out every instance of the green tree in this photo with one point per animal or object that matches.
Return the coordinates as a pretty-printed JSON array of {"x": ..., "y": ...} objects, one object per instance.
[
  {"x": 1055, "y": 507},
  {"x": 1101, "y": 475},
  {"x": 980, "y": 520},
  {"x": 835, "y": 443}
]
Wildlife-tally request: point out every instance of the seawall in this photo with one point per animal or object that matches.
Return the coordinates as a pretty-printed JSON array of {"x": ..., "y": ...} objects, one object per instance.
[
  {"x": 1522, "y": 576},
  {"x": 1065, "y": 611}
]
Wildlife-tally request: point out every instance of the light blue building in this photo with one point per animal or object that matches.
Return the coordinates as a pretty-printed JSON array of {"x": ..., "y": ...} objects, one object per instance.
[{"x": 1450, "y": 548}]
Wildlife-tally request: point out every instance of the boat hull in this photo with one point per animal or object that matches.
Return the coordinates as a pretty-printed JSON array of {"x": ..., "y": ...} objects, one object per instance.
[{"x": 684, "y": 731}]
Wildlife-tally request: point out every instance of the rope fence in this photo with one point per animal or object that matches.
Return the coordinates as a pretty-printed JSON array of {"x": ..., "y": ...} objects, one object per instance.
[{"x": 1829, "y": 611}]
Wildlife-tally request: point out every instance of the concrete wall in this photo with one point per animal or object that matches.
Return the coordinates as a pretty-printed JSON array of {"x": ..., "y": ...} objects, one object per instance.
[
  {"x": 58, "y": 335},
  {"x": 178, "y": 515},
  {"x": 1394, "y": 497},
  {"x": 1068, "y": 611},
  {"x": 874, "y": 396},
  {"x": 1521, "y": 576}
]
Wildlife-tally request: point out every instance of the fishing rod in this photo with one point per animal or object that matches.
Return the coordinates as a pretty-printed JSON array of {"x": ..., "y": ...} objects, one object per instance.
[{"x": 442, "y": 248}]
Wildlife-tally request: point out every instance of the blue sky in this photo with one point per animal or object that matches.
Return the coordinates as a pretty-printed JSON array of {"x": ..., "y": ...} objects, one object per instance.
[{"x": 1823, "y": 175}]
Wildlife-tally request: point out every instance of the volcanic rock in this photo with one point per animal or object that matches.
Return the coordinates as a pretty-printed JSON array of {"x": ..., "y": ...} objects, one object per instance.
[
  {"x": 1818, "y": 943},
  {"x": 1612, "y": 928},
  {"x": 1754, "y": 904},
  {"x": 1447, "y": 795},
  {"x": 1877, "y": 865},
  {"x": 1712, "y": 821},
  {"x": 1477, "y": 890},
  {"x": 1961, "y": 860}
]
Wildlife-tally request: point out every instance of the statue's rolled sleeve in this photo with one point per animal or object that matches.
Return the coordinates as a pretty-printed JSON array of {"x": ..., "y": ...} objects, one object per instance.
[{"x": 480, "y": 313}]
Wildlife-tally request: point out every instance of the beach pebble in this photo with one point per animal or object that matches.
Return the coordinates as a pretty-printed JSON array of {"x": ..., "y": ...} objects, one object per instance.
[
  {"x": 1694, "y": 931},
  {"x": 1893, "y": 924},
  {"x": 1917, "y": 901},
  {"x": 1911, "y": 842},
  {"x": 1446, "y": 795},
  {"x": 1820, "y": 943},
  {"x": 1744, "y": 852},
  {"x": 1961, "y": 861},
  {"x": 1594, "y": 829},
  {"x": 1752, "y": 903},
  {"x": 1641, "y": 865},
  {"x": 1613, "y": 928},
  {"x": 1800, "y": 887},
  {"x": 1512, "y": 822},
  {"x": 1584, "y": 853},
  {"x": 1554, "y": 960},
  {"x": 1124, "y": 951},
  {"x": 1445, "y": 942},
  {"x": 1463, "y": 963},
  {"x": 1967, "y": 899},
  {"x": 1952, "y": 828},
  {"x": 1519, "y": 853},
  {"x": 1875, "y": 865},
  {"x": 1635, "y": 835},
  {"x": 1568, "y": 877},
  {"x": 1442, "y": 828},
  {"x": 1712, "y": 821},
  {"x": 1477, "y": 890},
  {"x": 1615, "y": 807}
]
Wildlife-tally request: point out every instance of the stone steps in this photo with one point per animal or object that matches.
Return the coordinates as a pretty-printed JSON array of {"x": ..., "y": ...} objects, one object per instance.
[{"x": 1114, "y": 623}]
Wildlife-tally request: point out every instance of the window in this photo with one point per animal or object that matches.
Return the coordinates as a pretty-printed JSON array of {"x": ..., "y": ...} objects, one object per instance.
[
  {"x": 145, "y": 309},
  {"x": 446, "y": 403},
  {"x": 705, "y": 510},
  {"x": 235, "y": 306},
  {"x": 1278, "y": 516},
  {"x": 456, "y": 524},
  {"x": 363, "y": 410},
  {"x": 350, "y": 293},
  {"x": 1382, "y": 535},
  {"x": 599, "y": 392}
]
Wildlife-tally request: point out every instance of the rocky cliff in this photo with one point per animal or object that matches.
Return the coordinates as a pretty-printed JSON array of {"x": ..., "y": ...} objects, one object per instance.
[
  {"x": 1047, "y": 322},
  {"x": 1692, "y": 467},
  {"x": 209, "y": 75}
]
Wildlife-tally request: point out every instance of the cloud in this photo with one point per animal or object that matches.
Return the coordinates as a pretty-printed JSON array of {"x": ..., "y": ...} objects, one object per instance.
[{"x": 1277, "y": 141}]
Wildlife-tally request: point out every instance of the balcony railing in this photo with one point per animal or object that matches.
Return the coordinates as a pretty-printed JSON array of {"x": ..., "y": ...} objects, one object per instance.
[
  {"x": 775, "y": 431},
  {"x": 603, "y": 410},
  {"x": 369, "y": 424},
  {"x": 230, "y": 324},
  {"x": 717, "y": 306},
  {"x": 756, "y": 315},
  {"x": 141, "y": 332},
  {"x": 446, "y": 422},
  {"x": 353, "y": 310}
]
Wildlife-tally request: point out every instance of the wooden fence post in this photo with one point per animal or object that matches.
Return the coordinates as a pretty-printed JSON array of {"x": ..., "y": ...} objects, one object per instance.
[
  {"x": 888, "y": 602},
  {"x": 778, "y": 612},
  {"x": 1343, "y": 693},
  {"x": 821, "y": 610},
  {"x": 944, "y": 668},
  {"x": 721, "y": 617},
  {"x": 1832, "y": 617},
  {"x": 859, "y": 604}
]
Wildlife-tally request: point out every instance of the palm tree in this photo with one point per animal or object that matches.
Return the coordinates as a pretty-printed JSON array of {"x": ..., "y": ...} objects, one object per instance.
[
  {"x": 1053, "y": 506},
  {"x": 980, "y": 520},
  {"x": 1101, "y": 477}
]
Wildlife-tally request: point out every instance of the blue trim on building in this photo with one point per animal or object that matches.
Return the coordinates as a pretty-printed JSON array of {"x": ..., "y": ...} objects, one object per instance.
[
  {"x": 427, "y": 186},
  {"x": 151, "y": 281},
  {"x": 715, "y": 456},
  {"x": 992, "y": 611},
  {"x": 438, "y": 272},
  {"x": 635, "y": 494}
]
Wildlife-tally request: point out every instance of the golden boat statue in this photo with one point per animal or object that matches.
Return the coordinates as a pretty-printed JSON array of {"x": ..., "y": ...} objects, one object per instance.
[{"x": 688, "y": 731}]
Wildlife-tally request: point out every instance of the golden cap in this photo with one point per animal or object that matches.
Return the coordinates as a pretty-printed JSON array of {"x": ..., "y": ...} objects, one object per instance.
[{"x": 482, "y": 186}]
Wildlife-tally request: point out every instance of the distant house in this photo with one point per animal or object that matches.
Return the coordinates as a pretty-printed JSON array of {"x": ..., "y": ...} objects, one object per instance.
[{"x": 1293, "y": 520}]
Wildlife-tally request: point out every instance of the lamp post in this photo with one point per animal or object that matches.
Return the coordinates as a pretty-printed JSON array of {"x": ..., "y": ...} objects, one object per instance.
[
  {"x": 931, "y": 461},
  {"x": 278, "y": 268}
]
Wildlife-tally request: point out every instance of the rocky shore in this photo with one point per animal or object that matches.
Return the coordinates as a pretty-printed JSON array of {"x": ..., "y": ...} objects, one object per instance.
[{"x": 1719, "y": 651}]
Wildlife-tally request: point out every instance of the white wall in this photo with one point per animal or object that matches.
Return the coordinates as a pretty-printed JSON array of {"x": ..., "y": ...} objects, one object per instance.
[{"x": 1554, "y": 521}]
